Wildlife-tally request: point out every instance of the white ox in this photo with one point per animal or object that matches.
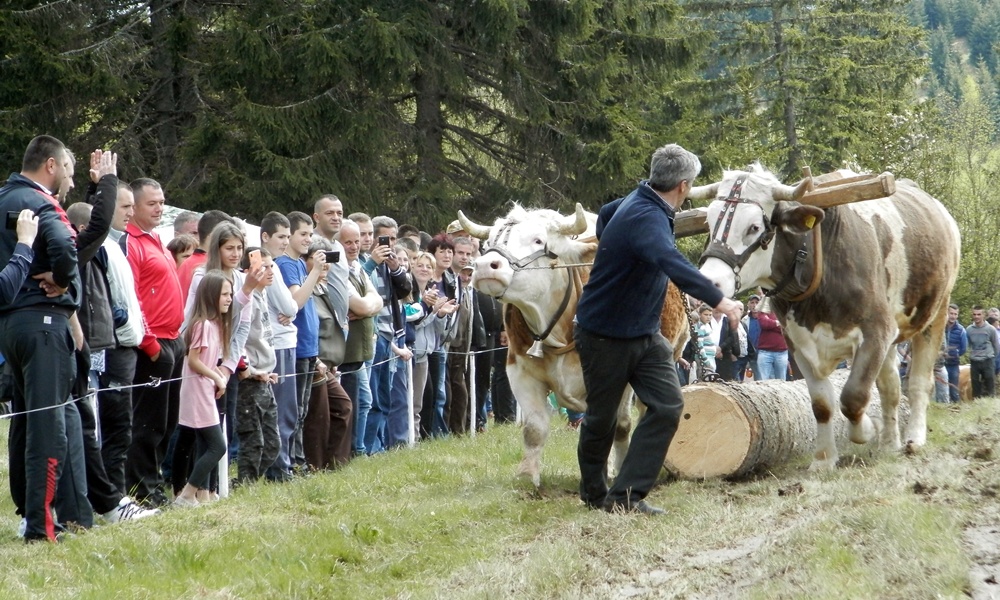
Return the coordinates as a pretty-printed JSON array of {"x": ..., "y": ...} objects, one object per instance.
[
  {"x": 848, "y": 282},
  {"x": 528, "y": 263}
]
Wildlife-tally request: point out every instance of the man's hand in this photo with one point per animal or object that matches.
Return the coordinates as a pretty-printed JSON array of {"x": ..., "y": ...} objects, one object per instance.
[
  {"x": 76, "y": 330},
  {"x": 101, "y": 164},
  {"x": 731, "y": 309},
  {"x": 319, "y": 260},
  {"x": 48, "y": 285},
  {"x": 27, "y": 227}
]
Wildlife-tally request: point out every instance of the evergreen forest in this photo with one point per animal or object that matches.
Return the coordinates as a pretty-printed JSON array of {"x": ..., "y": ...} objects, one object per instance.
[{"x": 418, "y": 108}]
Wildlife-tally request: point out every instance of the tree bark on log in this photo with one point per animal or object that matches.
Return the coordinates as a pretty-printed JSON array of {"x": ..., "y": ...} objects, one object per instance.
[{"x": 732, "y": 429}]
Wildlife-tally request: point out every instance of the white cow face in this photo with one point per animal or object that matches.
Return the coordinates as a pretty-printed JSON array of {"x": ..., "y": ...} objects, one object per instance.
[
  {"x": 741, "y": 245},
  {"x": 520, "y": 246}
]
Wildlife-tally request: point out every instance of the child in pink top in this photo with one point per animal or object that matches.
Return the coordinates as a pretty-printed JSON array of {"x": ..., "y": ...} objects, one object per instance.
[{"x": 207, "y": 340}]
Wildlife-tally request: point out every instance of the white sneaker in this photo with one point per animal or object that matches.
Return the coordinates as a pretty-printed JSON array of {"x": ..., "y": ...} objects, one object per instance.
[
  {"x": 22, "y": 527},
  {"x": 127, "y": 510},
  {"x": 184, "y": 502}
]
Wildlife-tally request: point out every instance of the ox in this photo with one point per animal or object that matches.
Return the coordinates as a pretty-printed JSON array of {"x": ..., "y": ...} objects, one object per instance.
[
  {"x": 536, "y": 262},
  {"x": 848, "y": 282}
]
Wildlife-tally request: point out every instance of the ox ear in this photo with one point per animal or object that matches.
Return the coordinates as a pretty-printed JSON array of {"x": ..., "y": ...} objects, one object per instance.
[{"x": 797, "y": 218}]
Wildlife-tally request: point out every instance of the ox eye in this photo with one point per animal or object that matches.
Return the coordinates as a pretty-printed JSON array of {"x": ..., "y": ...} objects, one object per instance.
[
  {"x": 754, "y": 229},
  {"x": 538, "y": 242}
]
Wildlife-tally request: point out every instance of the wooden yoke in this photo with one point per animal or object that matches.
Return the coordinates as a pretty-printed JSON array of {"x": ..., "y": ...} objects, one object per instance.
[{"x": 829, "y": 189}]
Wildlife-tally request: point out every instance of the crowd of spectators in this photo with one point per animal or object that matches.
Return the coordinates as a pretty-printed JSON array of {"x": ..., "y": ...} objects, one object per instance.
[{"x": 133, "y": 365}]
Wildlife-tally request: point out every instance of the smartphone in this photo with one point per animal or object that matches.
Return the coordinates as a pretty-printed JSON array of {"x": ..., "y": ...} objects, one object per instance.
[
  {"x": 332, "y": 256},
  {"x": 255, "y": 259},
  {"x": 383, "y": 240},
  {"x": 12, "y": 216}
]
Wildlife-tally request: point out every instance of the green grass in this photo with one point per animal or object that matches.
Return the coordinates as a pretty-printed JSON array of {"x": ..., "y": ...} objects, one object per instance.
[{"x": 449, "y": 519}]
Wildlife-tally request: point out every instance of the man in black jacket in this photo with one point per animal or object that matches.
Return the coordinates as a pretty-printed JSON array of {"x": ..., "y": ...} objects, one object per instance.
[
  {"x": 98, "y": 319},
  {"x": 737, "y": 350},
  {"x": 35, "y": 335}
]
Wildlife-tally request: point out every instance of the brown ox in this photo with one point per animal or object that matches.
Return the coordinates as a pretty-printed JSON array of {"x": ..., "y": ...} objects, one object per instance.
[
  {"x": 848, "y": 282},
  {"x": 536, "y": 262}
]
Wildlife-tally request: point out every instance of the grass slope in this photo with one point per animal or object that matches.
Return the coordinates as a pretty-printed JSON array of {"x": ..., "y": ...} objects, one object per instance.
[{"x": 449, "y": 520}]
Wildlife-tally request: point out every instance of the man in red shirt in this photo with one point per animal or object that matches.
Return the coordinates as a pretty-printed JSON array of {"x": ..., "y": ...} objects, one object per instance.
[{"x": 161, "y": 352}]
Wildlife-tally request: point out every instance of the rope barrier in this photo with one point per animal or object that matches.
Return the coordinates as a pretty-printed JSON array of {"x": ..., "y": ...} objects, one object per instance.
[{"x": 157, "y": 381}]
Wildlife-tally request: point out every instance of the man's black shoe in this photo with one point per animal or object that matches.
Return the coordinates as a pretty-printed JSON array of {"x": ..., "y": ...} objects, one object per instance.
[
  {"x": 157, "y": 499},
  {"x": 617, "y": 506}
]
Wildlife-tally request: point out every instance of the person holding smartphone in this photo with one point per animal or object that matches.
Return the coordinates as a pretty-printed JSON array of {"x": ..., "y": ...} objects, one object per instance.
[{"x": 393, "y": 285}]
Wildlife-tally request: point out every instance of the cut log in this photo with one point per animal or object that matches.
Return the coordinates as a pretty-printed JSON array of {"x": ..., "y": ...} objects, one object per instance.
[{"x": 729, "y": 429}]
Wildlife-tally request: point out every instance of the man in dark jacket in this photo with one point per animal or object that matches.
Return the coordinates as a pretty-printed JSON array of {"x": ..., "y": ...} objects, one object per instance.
[
  {"x": 35, "y": 335},
  {"x": 737, "y": 350},
  {"x": 98, "y": 319},
  {"x": 618, "y": 332}
]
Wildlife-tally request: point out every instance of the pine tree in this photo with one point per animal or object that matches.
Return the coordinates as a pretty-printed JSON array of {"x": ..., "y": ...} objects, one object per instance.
[
  {"x": 418, "y": 108},
  {"x": 802, "y": 84}
]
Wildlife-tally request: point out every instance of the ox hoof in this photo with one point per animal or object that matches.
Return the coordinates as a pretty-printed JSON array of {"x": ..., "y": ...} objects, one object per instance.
[
  {"x": 863, "y": 432},
  {"x": 820, "y": 465},
  {"x": 916, "y": 438},
  {"x": 532, "y": 472}
]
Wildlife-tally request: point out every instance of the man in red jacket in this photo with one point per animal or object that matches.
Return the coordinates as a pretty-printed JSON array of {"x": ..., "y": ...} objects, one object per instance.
[{"x": 161, "y": 352}]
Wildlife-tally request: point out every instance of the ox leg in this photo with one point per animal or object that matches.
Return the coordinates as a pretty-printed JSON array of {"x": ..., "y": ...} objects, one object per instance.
[
  {"x": 868, "y": 362},
  {"x": 924, "y": 350},
  {"x": 623, "y": 429},
  {"x": 821, "y": 393},
  {"x": 532, "y": 396},
  {"x": 888, "y": 385}
]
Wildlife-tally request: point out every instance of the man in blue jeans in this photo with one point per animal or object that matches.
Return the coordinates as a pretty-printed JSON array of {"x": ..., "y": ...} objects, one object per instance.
[
  {"x": 618, "y": 332},
  {"x": 958, "y": 342}
]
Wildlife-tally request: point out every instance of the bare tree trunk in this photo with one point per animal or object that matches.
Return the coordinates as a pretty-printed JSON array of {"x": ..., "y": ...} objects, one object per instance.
[
  {"x": 732, "y": 429},
  {"x": 165, "y": 105},
  {"x": 794, "y": 157}
]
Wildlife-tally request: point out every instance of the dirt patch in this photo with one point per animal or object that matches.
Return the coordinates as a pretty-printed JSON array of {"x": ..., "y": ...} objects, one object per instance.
[{"x": 983, "y": 544}]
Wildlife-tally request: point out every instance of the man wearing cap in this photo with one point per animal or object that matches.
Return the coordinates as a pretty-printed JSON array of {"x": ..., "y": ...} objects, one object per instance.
[
  {"x": 753, "y": 330},
  {"x": 455, "y": 231},
  {"x": 469, "y": 335}
]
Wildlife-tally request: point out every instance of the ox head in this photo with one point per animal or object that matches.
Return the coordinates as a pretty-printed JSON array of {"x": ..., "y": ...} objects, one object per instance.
[
  {"x": 517, "y": 244},
  {"x": 756, "y": 224}
]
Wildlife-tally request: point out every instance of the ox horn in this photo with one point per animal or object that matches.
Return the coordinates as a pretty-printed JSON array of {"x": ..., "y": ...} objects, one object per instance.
[
  {"x": 574, "y": 224},
  {"x": 474, "y": 229},
  {"x": 792, "y": 193},
  {"x": 704, "y": 192}
]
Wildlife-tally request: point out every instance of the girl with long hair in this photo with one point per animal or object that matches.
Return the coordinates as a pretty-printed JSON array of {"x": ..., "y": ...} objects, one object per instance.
[{"x": 207, "y": 338}]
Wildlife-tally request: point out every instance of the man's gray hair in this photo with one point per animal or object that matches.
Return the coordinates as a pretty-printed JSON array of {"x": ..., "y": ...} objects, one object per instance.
[
  {"x": 319, "y": 243},
  {"x": 671, "y": 165},
  {"x": 347, "y": 223},
  {"x": 384, "y": 222},
  {"x": 463, "y": 240}
]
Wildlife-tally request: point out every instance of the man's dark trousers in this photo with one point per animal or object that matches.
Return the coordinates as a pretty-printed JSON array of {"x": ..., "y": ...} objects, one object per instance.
[
  {"x": 983, "y": 377},
  {"x": 37, "y": 344},
  {"x": 952, "y": 381},
  {"x": 114, "y": 406},
  {"x": 154, "y": 417},
  {"x": 647, "y": 363}
]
